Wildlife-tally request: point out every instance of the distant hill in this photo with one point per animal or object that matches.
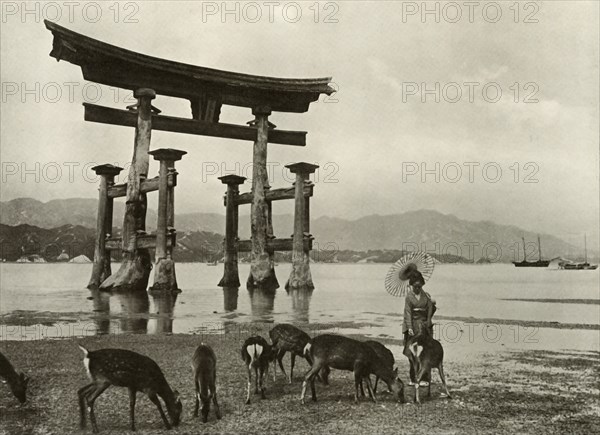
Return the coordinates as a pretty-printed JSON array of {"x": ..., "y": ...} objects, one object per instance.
[
  {"x": 423, "y": 229},
  {"x": 28, "y": 241}
]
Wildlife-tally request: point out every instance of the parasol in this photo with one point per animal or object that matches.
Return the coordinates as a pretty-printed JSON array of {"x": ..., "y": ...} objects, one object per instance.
[{"x": 396, "y": 280}]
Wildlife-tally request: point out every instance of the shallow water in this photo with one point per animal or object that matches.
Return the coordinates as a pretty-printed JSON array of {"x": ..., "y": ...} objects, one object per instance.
[{"x": 345, "y": 293}]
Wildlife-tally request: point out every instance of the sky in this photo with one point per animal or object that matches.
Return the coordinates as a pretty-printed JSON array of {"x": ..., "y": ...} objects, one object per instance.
[{"x": 489, "y": 113}]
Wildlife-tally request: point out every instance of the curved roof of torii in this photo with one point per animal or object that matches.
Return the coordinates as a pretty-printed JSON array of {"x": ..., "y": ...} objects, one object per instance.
[{"x": 115, "y": 66}]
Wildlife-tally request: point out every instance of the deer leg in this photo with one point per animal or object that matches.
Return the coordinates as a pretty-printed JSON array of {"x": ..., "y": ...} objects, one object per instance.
[
  {"x": 132, "y": 397},
  {"x": 249, "y": 385},
  {"x": 292, "y": 361},
  {"x": 280, "y": 356},
  {"x": 376, "y": 382},
  {"x": 205, "y": 406},
  {"x": 91, "y": 398},
  {"x": 309, "y": 377},
  {"x": 357, "y": 382},
  {"x": 422, "y": 372},
  {"x": 261, "y": 382},
  {"x": 370, "y": 388},
  {"x": 362, "y": 390},
  {"x": 197, "y": 404},
  {"x": 216, "y": 403},
  {"x": 81, "y": 393},
  {"x": 443, "y": 378},
  {"x": 324, "y": 375},
  {"x": 154, "y": 398},
  {"x": 255, "y": 380}
]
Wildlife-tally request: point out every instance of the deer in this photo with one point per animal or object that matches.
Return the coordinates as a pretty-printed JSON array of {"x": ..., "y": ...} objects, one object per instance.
[
  {"x": 204, "y": 365},
  {"x": 16, "y": 381},
  {"x": 136, "y": 372},
  {"x": 344, "y": 353},
  {"x": 426, "y": 353},
  {"x": 256, "y": 354},
  {"x": 384, "y": 354},
  {"x": 288, "y": 338}
]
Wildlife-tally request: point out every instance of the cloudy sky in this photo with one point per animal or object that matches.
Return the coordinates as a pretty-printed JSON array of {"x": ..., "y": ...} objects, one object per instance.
[{"x": 512, "y": 137}]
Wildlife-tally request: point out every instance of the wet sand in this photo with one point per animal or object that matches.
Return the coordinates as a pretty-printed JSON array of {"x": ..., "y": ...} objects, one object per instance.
[{"x": 507, "y": 391}]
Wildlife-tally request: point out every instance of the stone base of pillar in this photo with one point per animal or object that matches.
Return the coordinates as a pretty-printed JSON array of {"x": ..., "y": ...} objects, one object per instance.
[
  {"x": 96, "y": 278},
  {"x": 262, "y": 274},
  {"x": 164, "y": 277},
  {"x": 133, "y": 274},
  {"x": 230, "y": 278},
  {"x": 300, "y": 277}
]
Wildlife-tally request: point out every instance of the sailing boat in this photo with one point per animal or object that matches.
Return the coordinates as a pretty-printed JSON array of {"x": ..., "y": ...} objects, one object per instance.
[
  {"x": 538, "y": 263},
  {"x": 581, "y": 266}
]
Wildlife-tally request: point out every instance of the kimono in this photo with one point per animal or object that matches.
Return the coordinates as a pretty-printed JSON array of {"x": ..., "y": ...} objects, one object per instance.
[{"x": 416, "y": 311}]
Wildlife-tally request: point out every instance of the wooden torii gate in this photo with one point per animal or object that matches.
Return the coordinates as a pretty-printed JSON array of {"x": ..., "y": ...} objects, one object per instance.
[{"x": 207, "y": 91}]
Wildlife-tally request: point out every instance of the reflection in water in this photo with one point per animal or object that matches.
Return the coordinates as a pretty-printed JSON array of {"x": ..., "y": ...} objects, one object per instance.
[
  {"x": 101, "y": 311},
  {"x": 164, "y": 304},
  {"x": 230, "y": 298},
  {"x": 262, "y": 302},
  {"x": 300, "y": 303},
  {"x": 134, "y": 311}
]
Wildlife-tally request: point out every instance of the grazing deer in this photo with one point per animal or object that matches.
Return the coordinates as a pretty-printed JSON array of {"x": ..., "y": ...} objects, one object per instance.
[
  {"x": 426, "y": 353},
  {"x": 345, "y": 353},
  {"x": 385, "y": 355},
  {"x": 204, "y": 365},
  {"x": 288, "y": 338},
  {"x": 124, "y": 368},
  {"x": 257, "y": 355},
  {"x": 16, "y": 382}
]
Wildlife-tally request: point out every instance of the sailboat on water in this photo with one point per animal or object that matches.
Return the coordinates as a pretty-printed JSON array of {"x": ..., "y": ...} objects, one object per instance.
[
  {"x": 538, "y": 263},
  {"x": 580, "y": 266}
]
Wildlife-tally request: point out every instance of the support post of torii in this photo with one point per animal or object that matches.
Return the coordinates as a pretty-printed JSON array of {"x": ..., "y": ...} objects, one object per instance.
[
  {"x": 300, "y": 276},
  {"x": 164, "y": 270},
  {"x": 135, "y": 269},
  {"x": 101, "y": 267},
  {"x": 230, "y": 274},
  {"x": 262, "y": 271}
]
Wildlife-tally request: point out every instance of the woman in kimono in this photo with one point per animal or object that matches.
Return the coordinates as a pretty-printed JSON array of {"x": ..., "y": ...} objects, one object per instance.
[{"x": 418, "y": 311}]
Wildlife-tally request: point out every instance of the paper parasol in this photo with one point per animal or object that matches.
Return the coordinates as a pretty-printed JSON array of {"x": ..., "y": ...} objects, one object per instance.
[{"x": 396, "y": 280}]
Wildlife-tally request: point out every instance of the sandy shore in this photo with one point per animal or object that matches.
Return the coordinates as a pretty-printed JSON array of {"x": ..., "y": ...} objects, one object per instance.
[{"x": 525, "y": 391}]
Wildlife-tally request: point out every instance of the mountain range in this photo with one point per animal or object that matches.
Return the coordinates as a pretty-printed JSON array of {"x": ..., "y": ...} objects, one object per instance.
[{"x": 425, "y": 230}]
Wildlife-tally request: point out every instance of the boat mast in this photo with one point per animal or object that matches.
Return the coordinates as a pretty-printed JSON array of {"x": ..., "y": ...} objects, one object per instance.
[
  {"x": 585, "y": 246},
  {"x": 539, "y": 248},
  {"x": 524, "y": 250}
]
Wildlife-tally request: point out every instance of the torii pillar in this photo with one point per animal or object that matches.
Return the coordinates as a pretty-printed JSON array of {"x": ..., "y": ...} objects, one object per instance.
[
  {"x": 230, "y": 275},
  {"x": 262, "y": 268},
  {"x": 101, "y": 268},
  {"x": 300, "y": 277},
  {"x": 164, "y": 271},
  {"x": 135, "y": 268}
]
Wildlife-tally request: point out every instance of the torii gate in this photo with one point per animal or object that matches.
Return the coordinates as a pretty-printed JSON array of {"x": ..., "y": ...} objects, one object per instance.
[{"x": 207, "y": 90}]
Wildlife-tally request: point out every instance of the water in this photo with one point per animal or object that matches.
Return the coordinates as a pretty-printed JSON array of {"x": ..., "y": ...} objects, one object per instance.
[{"x": 44, "y": 300}]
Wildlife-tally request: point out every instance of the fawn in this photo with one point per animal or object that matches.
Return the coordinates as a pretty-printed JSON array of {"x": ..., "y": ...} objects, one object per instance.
[
  {"x": 426, "y": 353},
  {"x": 204, "y": 365},
  {"x": 288, "y": 338},
  {"x": 345, "y": 353},
  {"x": 257, "y": 355},
  {"x": 124, "y": 368}
]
